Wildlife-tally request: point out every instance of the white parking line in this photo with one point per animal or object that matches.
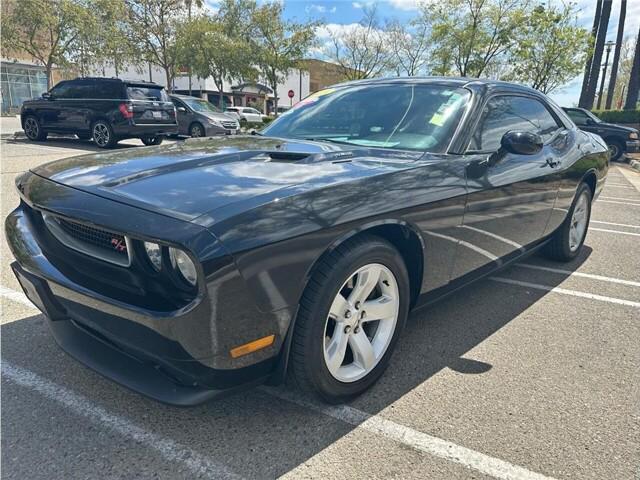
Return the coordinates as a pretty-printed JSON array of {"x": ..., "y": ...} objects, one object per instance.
[
  {"x": 198, "y": 464},
  {"x": 614, "y": 231},
  {"x": 420, "y": 441},
  {"x": 579, "y": 274},
  {"x": 564, "y": 291},
  {"x": 621, "y": 198},
  {"x": 616, "y": 224},
  {"x": 618, "y": 185},
  {"x": 619, "y": 203},
  {"x": 15, "y": 296}
]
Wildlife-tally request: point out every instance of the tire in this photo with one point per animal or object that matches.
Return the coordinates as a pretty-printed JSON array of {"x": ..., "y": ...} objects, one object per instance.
[
  {"x": 318, "y": 331},
  {"x": 157, "y": 140},
  {"x": 197, "y": 130},
  {"x": 616, "y": 148},
  {"x": 103, "y": 135},
  {"x": 33, "y": 130},
  {"x": 564, "y": 246}
]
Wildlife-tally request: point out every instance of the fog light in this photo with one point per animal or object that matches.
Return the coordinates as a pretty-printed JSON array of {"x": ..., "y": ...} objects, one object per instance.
[
  {"x": 183, "y": 263},
  {"x": 154, "y": 253}
]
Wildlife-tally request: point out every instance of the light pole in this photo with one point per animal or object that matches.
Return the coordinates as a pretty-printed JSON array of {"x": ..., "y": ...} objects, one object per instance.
[{"x": 604, "y": 72}]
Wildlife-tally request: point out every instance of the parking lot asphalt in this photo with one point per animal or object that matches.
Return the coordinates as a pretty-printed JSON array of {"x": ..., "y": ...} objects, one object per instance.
[{"x": 530, "y": 374}]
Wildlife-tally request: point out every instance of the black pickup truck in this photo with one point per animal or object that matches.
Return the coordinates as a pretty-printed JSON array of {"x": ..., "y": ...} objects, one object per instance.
[{"x": 619, "y": 139}]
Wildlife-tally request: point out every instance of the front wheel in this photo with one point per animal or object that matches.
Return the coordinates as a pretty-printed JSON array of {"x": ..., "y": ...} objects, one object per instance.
[
  {"x": 196, "y": 130},
  {"x": 567, "y": 241},
  {"x": 615, "y": 149},
  {"x": 103, "y": 135},
  {"x": 148, "y": 141},
  {"x": 33, "y": 130},
  {"x": 350, "y": 317}
]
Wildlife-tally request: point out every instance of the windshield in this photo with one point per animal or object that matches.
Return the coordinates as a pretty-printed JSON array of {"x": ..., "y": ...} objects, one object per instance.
[
  {"x": 137, "y": 92},
  {"x": 593, "y": 116},
  {"x": 396, "y": 116},
  {"x": 201, "y": 106}
]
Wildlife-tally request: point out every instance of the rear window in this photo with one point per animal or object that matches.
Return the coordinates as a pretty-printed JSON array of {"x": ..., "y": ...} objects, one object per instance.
[
  {"x": 108, "y": 90},
  {"x": 140, "y": 92}
]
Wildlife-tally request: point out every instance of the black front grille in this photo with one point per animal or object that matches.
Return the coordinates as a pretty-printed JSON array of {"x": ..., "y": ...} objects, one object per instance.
[{"x": 103, "y": 239}]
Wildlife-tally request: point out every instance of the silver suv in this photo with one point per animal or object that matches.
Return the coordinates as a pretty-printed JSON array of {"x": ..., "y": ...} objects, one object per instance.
[{"x": 199, "y": 118}]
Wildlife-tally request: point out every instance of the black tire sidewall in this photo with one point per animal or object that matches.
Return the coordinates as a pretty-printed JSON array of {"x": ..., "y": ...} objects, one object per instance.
[
  {"x": 329, "y": 388},
  {"x": 620, "y": 148},
  {"x": 112, "y": 140}
]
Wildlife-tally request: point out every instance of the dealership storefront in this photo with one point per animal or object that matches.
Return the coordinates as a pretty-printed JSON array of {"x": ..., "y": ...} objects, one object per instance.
[{"x": 20, "y": 82}]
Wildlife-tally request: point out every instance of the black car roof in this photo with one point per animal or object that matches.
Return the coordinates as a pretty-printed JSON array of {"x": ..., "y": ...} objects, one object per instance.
[
  {"x": 119, "y": 80},
  {"x": 452, "y": 81}
]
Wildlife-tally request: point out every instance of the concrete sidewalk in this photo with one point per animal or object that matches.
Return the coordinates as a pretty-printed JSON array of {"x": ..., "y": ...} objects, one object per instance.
[{"x": 9, "y": 125}]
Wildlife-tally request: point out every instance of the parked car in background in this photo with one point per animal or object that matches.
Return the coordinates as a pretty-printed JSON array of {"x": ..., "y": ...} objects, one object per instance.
[
  {"x": 105, "y": 109},
  {"x": 299, "y": 252},
  {"x": 246, "y": 114},
  {"x": 200, "y": 118},
  {"x": 619, "y": 138}
]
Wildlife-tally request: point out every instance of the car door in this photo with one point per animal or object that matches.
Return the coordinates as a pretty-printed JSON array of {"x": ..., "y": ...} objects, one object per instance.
[
  {"x": 184, "y": 116},
  {"x": 510, "y": 196},
  {"x": 53, "y": 112},
  {"x": 78, "y": 107}
]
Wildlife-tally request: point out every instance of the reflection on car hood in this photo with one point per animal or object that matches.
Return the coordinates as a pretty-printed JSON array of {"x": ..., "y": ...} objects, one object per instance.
[
  {"x": 219, "y": 176},
  {"x": 220, "y": 117}
]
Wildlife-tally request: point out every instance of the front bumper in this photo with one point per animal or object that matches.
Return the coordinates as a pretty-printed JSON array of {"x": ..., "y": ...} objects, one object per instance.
[
  {"x": 214, "y": 130},
  {"x": 633, "y": 146},
  {"x": 179, "y": 357}
]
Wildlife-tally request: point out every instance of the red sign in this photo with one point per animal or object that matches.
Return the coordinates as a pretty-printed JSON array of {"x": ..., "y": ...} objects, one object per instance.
[{"x": 291, "y": 93}]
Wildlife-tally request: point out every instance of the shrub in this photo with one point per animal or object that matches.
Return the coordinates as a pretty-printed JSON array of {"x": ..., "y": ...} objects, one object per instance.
[{"x": 618, "y": 116}]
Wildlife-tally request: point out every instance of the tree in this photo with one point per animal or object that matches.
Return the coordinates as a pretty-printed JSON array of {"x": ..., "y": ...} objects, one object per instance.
[
  {"x": 468, "y": 35},
  {"x": 153, "y": 25},
  {"x": 409, "y": 47},
  {"x": 634, "y": 79},
  {"x": 594, "y": 71},
  {"x": 46, "y": 30},
  {"x": 362, "y": 50},
  {"x": 616, "y": 55},
  {"x": 281, "y": 44},
  {"x": 551, "y": 50},
  {"x": 587, "y": 68},
  {"x": 212, "y": 53}
]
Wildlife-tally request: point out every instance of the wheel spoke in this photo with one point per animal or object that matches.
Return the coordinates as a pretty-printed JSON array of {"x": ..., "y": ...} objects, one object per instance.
[
  {"x": 363, "y": 353},
  {"x": 336, "y": 349},
  {"x": 338, "y": 307},
  {"x": 365, "y": 283},
  {"x": 379, "y": 309}
]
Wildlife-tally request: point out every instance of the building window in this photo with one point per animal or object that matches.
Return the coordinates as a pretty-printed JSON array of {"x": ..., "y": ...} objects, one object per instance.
[{"x": 19, "y": 83}]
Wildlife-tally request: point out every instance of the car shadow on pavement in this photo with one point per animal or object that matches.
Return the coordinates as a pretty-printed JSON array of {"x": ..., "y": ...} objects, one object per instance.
[
  {"x": 71, "y": 143},
  {"x": 257, "y": 435}
]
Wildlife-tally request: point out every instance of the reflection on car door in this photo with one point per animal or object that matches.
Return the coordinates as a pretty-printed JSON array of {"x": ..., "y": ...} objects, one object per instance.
[
  {"x": 509, "y": 203},
  {"x": 184, "y": 117}
]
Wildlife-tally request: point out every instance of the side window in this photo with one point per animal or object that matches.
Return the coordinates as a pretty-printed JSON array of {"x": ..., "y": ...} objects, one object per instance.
[
  {"x": 82, "y": 89},
  {"x": 177, "y": 103},
  {"x": 108, "y": 90},
  {"x": 509, "y": 112},
  {"x": 61, "y": 90},
  {"x": 578, "y": 117}
]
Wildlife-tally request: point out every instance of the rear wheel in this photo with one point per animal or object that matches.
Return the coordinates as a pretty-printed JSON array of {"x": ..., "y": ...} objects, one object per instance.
[
  {"x": 103, "y": 135},
  {"x": 33, "y": 130},
  {"x": 350, "y": 317},
  {"x": 567, "y": 241},
  {"x": 157, "y": 140},
  {"x": 196, "y": 130},
  {"x": 616, "y": 149}
]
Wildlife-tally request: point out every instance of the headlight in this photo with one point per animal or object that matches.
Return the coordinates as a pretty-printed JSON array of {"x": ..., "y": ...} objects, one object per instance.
[
  {"x": 154, "y": 252},
  {"x": 633, "y": 135},
  {"x": 215, "y": 122},
  {"x": 183, "y": 263}
]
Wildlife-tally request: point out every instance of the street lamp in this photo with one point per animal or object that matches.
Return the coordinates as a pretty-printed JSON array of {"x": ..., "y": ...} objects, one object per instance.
[{"x": 608, "y": 45}]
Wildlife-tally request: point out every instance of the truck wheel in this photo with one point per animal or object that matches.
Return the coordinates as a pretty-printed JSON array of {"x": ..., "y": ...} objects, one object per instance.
[
  {"x": 33, "y": 130},
  {"x": 616, "y": 149},
  {"x": 103, "y": 135},
  {"x": 156, "y": 140}
]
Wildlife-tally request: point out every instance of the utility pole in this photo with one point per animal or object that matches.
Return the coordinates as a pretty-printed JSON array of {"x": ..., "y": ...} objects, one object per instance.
[{"x": 608, "y": 45}]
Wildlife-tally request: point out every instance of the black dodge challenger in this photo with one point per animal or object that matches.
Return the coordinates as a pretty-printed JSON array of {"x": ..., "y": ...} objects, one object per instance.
[{"x": 189, "y": 271}]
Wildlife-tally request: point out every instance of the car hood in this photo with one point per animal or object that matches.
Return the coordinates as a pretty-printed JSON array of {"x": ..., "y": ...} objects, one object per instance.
[
  {"x": 615, "y": 126},
  {"x": 216, "y": 177},
  {"x": 217, "y": 116}
]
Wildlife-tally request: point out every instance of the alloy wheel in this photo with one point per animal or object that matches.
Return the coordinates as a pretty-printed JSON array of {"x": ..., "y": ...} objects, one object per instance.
[
  {"x": 361, "y": 322},
  {"x": 101, "y": 134},
  {"x": 196, "y": 131},
  {"x": 579, "y": 221},
  {"x": 31, "y": 128},
  {"x": 614, "y": 151}
]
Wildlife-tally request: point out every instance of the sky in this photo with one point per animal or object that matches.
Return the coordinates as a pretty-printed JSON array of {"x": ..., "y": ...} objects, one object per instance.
[{"x": 338, "y": 14}]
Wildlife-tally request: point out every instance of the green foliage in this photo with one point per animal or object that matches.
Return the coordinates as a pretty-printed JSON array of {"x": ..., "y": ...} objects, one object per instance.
[
  {"x": 551, "y": 49},
  {"x": 618, "y": 116},
  {"x": 47, "y": 31},
  {"x": 279, "y": 44},
  {"x": 468, "y": 35}
]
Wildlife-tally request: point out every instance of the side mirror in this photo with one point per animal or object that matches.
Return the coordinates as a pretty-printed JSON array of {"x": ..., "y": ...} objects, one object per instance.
[
  {"x": 590, "y": 121},
  {"x": 521, "y": 143},
  {"x": 47, "y": 96},
  {"x": 181, "y": 109}
]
